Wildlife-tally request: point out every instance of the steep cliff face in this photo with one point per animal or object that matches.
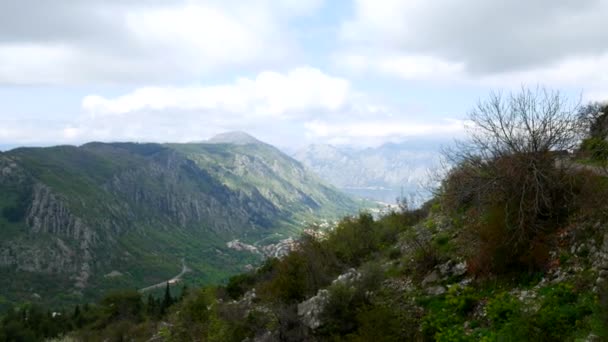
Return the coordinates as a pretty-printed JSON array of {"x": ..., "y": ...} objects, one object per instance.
[
  {"x": 48, "y": 214},
  {"x": 40, "y": 234},
  {"x": 75, "y": 214}
]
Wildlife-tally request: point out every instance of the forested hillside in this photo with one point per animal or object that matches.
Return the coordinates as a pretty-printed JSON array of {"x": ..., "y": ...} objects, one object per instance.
[
  {"x": 76, "y": 221},
  {"x": 512, "y": 247}
]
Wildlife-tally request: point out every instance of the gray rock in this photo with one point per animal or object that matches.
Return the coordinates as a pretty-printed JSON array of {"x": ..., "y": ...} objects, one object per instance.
[
  {"x": 310, "y": 310},
  {"x": 349, "y": 277},
  {"x": 436, "y": 290},
  {"x": 459, "y": 269},
  {"x": 430, "y": 278},
  {"x": 113, "y": 274},
  {"x": 452, "y": 269}
]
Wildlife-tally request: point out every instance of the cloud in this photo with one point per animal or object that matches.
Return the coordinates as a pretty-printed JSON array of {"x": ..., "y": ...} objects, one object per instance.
[
  {"x": 373, "y": 132},
  {"x": 305, "y": 102},
  {"x": 67, "y": 42},
  {"x": 293, "y": 108},
  {"x": 272, "y": 105},
  {"x": 486, "y": 36},
  {"x": 558, "y": 43},
  {"x": 269, "y": 94},
  {"x": 409, "y": 67}
]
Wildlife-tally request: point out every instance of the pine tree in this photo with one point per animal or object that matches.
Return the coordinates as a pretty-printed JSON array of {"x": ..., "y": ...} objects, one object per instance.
[
  {"x": 184, "y": 292},
  {"x": 167, "y": 300},
  {"x": 152, "y": 306},
  {"x": 77, "y": 317}
]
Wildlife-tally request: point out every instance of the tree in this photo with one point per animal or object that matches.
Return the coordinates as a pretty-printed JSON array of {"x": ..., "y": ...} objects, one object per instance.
[
  {"x": 594, "y": 117},
  {"x": 152, "y": 306},
  {"x": 123, "y": 306},
  {"x": 77, "y": 318},
  {"x": 512, "y": 173},
  {"x": 167, "y": 300},
  {"x": 184, "y": 292}
]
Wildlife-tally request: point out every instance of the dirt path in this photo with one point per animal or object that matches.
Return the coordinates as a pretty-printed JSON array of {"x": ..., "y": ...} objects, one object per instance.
[{"x": 174, "y": 280}]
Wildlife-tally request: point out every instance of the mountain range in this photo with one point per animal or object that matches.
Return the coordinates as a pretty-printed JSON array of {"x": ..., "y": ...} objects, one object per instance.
[
  {"x": 78, "y": 220},
  {"x": 381, "y": 173}
]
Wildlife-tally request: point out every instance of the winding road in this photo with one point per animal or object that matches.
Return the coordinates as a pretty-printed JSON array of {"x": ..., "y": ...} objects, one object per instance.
[{"x": 174, "y": 280}]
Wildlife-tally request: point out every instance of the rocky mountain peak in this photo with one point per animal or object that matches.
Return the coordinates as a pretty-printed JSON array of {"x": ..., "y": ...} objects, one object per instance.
[{"x": 234, "y": 137}]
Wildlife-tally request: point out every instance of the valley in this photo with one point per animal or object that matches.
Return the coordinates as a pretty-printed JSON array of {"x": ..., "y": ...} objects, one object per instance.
[{"x": 73, "y": 215}]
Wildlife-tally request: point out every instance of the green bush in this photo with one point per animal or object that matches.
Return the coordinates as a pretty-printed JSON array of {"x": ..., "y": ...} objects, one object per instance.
[
  {"x": 445, "y": 316},
  {"x": 562, "y": 312},
  {"x": 596, "y": 148},
  {"x": 461, "y": 299},
  {"x": 502, "y": 309},
  {"x": 379, "y": 323},
  {"x": 122, "y": 306}
]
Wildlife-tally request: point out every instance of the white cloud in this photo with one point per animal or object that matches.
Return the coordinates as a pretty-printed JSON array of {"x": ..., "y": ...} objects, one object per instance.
[
  {"x": 486, "y": 36},
  {"x": 382, "y": 129},
  {"x": 414, "y": 67},
  {"x": 140, "y": 42},
  {"x": 557, "y": 43},
  {"x": 590, "y": 74},
  {"x": 270, "y": 94},
  {"x": 22, "y": 63},
  {"x": 293, "y": 108}
]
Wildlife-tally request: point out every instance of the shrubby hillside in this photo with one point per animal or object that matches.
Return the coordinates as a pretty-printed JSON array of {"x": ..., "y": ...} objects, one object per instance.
[
  {"x": 512, "y": 247},
  {"x": 77, "y": 221}
]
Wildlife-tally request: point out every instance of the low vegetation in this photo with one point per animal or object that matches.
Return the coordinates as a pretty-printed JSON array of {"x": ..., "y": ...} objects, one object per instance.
[{"x": 513, "y": 247}]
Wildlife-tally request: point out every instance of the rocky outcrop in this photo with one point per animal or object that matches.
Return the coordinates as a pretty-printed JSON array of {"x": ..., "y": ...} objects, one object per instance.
[
  {"x": 48, "y": 213},
  {"x": 311, "y": 310},
  {"x": 67, "y": 248},
  {"x": 201, "y": 202}
]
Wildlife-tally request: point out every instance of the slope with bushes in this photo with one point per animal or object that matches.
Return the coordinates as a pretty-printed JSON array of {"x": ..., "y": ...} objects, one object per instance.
[
  {"x": 513, "y": 247},
  {"x": 77, "y": 221}
]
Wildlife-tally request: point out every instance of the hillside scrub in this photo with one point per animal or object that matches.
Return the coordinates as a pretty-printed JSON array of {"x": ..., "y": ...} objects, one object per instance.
[
  {"x": 507, "y": 182},
  {"x": 594, "y": 118},
  {"x": 514, "y": 247}
]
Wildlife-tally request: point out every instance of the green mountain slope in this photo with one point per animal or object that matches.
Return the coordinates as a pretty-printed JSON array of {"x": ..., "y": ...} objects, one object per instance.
[
  {"x": 77, "y": 220},
  {"x": 260, "y": 169}
]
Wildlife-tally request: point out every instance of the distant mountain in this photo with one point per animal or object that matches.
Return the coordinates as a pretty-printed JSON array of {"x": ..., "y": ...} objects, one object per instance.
[
  {"x": 381, "y": 173},
  {"x": 77, "y": 220},
  {"x": 235, "y": 137}
]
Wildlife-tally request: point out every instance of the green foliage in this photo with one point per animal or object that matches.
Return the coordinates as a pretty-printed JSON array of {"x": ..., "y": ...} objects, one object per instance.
[
  {"x": 354, "y": 238},
  {"x": 596, "y": 148},
  {"x": 148, "y": 206},
  {"x": 502, "y": 309},
  {"x": 289, "y": 285},
  {"x": 239, "y": 284},
  {"x": 32, "y": 323},
  {"x": 167, "y": 300},
  {"x": 378, "y": 323},
  {"x": 446, "y": 315},
  {"x": 562, "y": 311},
  {"x": 16, "y": 212},
  {"x": 123, "y": 306},
  {"x": 192, "y": 318},
  {"x": 461, "y": 299},
  {"x": 340, "y": 313},
  {"x": 317, "y": 262}
]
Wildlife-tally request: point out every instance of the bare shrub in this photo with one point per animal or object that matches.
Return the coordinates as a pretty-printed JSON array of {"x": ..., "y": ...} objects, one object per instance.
[{"x": 511, "y": 176}]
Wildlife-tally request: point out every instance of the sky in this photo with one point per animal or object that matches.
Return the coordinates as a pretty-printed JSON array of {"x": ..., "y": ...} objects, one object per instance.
[{"x": 290, "y": 72}]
